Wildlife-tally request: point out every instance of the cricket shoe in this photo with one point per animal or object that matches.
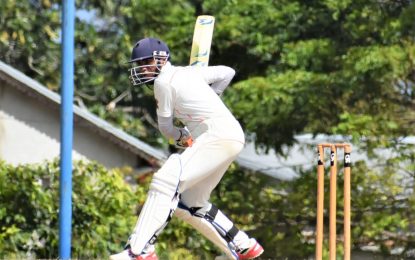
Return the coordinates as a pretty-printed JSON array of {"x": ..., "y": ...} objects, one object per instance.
[
  {"x": 253, "y": 251},
  {"x": 128, "y": 255}
]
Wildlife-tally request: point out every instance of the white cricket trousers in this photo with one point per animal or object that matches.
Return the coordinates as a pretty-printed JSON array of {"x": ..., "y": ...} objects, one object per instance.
[
  {"x": 217, "y": 142},
  {"x": 193, "y": 174}
]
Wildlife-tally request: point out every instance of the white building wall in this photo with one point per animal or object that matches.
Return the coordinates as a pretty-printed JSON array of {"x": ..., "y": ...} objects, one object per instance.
[
  {"x": 30, "y": 133},
  {"x": 22, "y": 143}
]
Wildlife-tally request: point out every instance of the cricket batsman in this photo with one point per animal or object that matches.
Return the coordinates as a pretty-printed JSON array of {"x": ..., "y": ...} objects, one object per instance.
[{"x": 212, "y": 139}]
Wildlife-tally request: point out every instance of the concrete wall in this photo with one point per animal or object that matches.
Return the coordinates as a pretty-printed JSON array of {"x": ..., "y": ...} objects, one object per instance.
[{"x": 30, "y": 133}]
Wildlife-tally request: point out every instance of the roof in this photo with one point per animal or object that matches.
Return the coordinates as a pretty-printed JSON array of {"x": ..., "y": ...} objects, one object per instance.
[
  {"x": 33, "y": 88},
  {"x": 303, "y": 155}
]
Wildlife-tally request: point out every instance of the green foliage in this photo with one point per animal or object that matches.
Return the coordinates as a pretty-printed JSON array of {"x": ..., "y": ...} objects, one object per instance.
[
  {"x": 35, "y": 53},
  {"x": 359, "y": 67},
  {"x": 104, "y": 213},
  {"x": 281, "y": 215},
  {"x": 335, "y": 67},
  {"x": 103, "y": 210},
  {"x": 291, "y": 97},
  {"x": 361, "y": 54},
  {"x": 313, "y": 55}
]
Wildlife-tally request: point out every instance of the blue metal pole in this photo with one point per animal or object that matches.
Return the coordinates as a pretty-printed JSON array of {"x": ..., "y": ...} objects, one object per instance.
[{"x": 66, "y": 132}]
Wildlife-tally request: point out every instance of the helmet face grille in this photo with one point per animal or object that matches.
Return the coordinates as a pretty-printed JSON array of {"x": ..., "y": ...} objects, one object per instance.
[{"x": 138, "y": 77}]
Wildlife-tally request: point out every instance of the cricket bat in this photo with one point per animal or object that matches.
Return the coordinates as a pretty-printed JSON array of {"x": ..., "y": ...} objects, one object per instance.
[{"x": 202, "y": 40}]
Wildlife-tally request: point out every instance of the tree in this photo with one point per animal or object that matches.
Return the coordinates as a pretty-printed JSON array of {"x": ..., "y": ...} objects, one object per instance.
[{"x": 342, "y": 61}]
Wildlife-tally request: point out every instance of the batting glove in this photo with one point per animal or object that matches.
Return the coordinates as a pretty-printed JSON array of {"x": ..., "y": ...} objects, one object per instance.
[{"x": 185, "y": 140}]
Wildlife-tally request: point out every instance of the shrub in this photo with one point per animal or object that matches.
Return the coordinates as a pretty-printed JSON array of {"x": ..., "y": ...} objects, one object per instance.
[{"x": 103, "y": 210}]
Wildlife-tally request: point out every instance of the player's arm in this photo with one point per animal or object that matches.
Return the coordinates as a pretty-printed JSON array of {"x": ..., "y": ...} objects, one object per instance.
[
  {"x": 167, "y": 128},
  {"x": 165, "y": 105},
  {"x": 218, "y": 77}
]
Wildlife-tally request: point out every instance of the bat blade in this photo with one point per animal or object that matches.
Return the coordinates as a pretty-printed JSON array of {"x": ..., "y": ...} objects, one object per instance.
[{"x": 202, "y": 40}]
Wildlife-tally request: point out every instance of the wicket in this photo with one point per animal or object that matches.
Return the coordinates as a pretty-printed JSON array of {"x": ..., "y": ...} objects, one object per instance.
[{"x": 333, "y": 200}]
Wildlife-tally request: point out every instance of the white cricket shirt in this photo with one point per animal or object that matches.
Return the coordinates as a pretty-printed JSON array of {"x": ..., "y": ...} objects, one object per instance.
[{"x": 185, "y": 93}]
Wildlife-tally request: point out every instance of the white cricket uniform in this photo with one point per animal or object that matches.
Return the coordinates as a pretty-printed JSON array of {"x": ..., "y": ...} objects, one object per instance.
[
  {"x": 191, "y": 95},
  {"x": 185, "y": 93}
]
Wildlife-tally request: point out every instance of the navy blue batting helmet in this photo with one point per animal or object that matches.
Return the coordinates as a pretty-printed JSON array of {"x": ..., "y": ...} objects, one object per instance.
[{"x": 148, "y": 48}]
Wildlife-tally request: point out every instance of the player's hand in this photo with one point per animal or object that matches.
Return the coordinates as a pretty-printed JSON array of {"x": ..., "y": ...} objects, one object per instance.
[{"x": 185, "y": 140}]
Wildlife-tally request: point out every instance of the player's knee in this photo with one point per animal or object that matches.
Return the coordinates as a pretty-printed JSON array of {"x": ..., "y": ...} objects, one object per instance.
[
  {"x": 183, "y": 214},
  {"x": 200, "y": 212},
  {"x": 235, "y": 148}
]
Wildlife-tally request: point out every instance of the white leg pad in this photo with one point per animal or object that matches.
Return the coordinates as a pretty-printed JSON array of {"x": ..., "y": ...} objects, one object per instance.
[{"x": 159, "y": 207}]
